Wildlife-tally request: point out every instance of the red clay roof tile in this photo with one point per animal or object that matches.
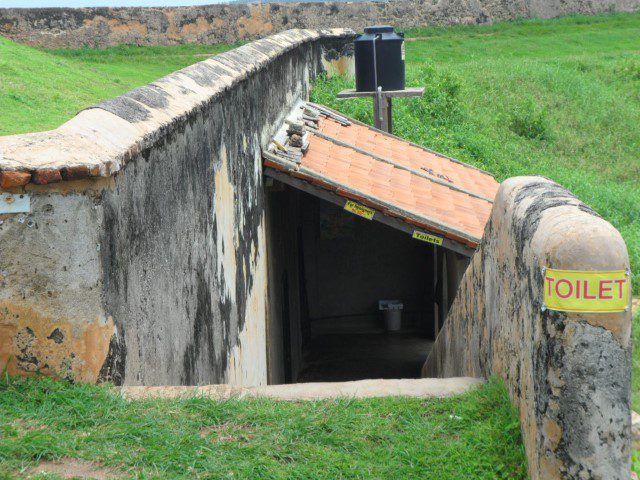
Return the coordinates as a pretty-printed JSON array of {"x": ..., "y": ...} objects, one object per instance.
[{"x": 434, "y": 191}]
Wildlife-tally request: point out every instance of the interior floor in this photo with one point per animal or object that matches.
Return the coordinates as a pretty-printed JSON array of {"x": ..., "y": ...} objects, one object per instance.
[{"x": 358, "y": 355}]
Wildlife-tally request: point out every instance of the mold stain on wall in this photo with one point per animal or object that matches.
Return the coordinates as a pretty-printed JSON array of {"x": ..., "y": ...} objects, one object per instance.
[
  {"x": 174, "y": 250},
  {"x": 247, "y": 358}
]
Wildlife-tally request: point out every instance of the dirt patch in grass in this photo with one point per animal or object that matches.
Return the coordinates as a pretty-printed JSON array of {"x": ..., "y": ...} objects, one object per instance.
[
  {"x": 226, "y": 432},
  {"x": 211, "y": 429},
  {"x": 27, "y": 425},
  {"x": 74, "y": 468}
]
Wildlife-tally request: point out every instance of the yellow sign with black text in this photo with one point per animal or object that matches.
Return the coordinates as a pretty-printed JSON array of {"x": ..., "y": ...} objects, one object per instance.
[
  {"x": 360, "y": 210},
  {"x": 427, "y": 237},
  {"x": 586, "y": 291}
]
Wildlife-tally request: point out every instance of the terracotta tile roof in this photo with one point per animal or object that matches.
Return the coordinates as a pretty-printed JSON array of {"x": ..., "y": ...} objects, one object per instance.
[
  {"x": 411, "y": 156},
  {"x": 395, "y": 177}
]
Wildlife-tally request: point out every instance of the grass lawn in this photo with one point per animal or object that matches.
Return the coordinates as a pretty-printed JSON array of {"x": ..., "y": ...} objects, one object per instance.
[
  {"x": 40, "y": 90},
  {"x": 472, "y": 436}
]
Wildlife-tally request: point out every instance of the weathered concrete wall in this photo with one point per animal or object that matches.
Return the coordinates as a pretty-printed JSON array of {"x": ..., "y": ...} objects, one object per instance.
[
  {"x": 52, "y": 318},
  {"x": 142, "y": 257},
  {"x": 568, "y": 373},
  {"x": 100, "y": 27}
]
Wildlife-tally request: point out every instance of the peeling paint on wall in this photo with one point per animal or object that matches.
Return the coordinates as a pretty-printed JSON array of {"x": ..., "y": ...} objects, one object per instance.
[
  {"x": 51, "y": 316},
  {"x": 224, "y": 216},
  {"x": 32, "y": 343},
  {"x": 256, "y": 23},
  {"x": 248, "y": 359}
]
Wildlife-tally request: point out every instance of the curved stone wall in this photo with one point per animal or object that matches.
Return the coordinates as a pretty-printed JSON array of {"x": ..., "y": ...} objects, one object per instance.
[
  {"x": 101, "y": 27},
  {"x": 569, "y": 374},
  {"x": 132, "y": 238}
]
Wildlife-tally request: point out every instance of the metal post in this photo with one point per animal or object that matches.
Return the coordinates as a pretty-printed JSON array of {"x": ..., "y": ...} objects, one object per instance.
[
  {"x": 388, "y": 115},
  {"x": 382, "y": 112},
  {"x": 377, "y": 114},
  {"x": 383, "y": 103}
]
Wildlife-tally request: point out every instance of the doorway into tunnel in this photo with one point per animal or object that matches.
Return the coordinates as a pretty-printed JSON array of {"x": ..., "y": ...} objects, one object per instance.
[{"x": 328, "y": 271}]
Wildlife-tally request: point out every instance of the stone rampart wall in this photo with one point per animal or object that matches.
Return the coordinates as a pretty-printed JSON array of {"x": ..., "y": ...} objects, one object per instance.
[
  {"x": 569, "y": 374},
  {"x": 102, "y": 27},
  {"x": 132, "y": 238}
]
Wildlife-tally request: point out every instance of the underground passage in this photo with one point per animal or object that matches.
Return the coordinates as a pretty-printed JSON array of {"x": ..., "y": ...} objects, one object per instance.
[
  {"x": 356, "y": 293},
  {"x": 337, "y": 269}
]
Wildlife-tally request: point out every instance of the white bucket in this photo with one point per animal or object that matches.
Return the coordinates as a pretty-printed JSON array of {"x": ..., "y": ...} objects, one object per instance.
[{"x": 391, "y": 314}]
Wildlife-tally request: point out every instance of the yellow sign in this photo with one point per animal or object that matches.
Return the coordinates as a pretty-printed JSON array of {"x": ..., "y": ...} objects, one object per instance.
[
  {"x": 578, "y": 291},
  {"x": 360, "y": 210},
  {"x": 427, "y": 237}
]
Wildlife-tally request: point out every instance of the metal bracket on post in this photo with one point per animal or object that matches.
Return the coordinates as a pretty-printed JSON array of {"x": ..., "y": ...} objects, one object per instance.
[
  {"x": 381, "y": 111},
  {"x": 382, "y": 103}
]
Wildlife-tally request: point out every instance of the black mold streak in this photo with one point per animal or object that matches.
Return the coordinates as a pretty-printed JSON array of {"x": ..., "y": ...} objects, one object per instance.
[
  {"x": 149, "y": 95},
  {"x": 125, "y": 108},
  {"x": 163, "y": 293},
  {"x": 113, "y": 368},
  {"x": 57, "y": 336},
  {"x": 25, "y": 359}
]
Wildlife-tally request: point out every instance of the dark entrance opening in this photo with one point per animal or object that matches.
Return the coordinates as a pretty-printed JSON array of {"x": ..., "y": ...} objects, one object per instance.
[{"x": 328, "y": 269}]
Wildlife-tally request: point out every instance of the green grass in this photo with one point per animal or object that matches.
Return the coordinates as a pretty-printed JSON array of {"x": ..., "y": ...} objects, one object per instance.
[
  {"x": 40, "y": 90},
  {"x": 558, "y": 98},
  {"x": 635, "y": 388},
  {"x": 472, "y": 436},
  {"x": 635, "y": 382}
]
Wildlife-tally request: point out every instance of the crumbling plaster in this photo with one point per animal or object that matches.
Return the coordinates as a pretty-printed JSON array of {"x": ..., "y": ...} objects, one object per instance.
[
  {"x": 52, "y": 319},
  {"x": 569, "y": 374}
]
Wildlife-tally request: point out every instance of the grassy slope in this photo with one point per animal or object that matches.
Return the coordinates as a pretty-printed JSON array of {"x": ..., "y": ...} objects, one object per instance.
[
  {"x": 380, "y": 438},
  {"x": 558, "y": 98},
  {"x": 40, "y": 90}
]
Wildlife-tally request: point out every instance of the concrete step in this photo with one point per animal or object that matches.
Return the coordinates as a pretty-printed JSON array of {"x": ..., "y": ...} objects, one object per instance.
[{"x": 420, "y": 388}]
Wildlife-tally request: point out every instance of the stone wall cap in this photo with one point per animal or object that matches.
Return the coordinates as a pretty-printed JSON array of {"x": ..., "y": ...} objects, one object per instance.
[
  {"x": 553, "y": 222},
  {"x": 101, "y": 139}
]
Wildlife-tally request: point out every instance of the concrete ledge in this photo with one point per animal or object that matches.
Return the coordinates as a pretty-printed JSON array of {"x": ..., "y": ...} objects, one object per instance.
[
  {"x": 420, "y": 388},
  {"x": 568, "y": 373}
]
